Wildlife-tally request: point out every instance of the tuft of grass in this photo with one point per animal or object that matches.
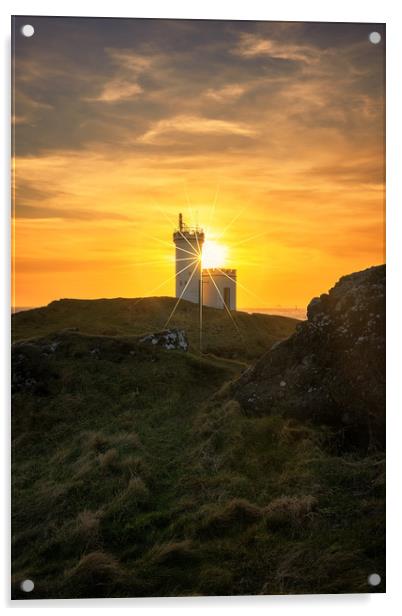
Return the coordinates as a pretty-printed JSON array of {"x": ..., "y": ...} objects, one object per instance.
[
  {"x": 231, "y": 407},
  {"x": 289, "y": 510},
  {"x": 134, "y": 495},
  {"x": 109, "y": 460},
  {"x": 214, "y": 580},
  {"x": 137, "y": 488},
  {"x": 172, "y": 553},
  {"x": 96, "y": 574},
  {"x": 95, "y": 441},
  {"x": 229, "y": 518},
  {"x": 87, "y": 527}
]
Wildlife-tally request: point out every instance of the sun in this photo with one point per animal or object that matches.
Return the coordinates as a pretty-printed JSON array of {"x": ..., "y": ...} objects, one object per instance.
[{"x": 213, "y": 254}]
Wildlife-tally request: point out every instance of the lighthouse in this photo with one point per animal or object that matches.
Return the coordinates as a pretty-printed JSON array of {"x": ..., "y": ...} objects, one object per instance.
[
  {"x": 213, "y": 286},
  {"x": 188, "y": 242}
]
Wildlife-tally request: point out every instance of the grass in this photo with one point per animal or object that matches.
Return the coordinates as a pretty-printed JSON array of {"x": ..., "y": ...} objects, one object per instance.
[
  {"x": 136, "y": 474},
  {"x": 252, "y": 335}
]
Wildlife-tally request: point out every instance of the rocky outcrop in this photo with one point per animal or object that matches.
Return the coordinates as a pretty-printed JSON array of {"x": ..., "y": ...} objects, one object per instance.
[
  {"x": 332, "y": 370},
  {"x": 169, "y": 339}
]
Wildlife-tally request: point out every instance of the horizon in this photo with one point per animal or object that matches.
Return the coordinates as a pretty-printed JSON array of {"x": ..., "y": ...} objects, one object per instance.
[
  {"x": 250, "y": 309},
  {"x": 268, "y": 134}
]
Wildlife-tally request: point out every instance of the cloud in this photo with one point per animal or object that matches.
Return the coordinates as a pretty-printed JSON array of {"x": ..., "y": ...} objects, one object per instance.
[
  {"x": 252, "y": 45},
  {"x": 42, "y": 213},
  {"x": 124, "y": 85},
  {"x": 194, "y": 125},
  {"x": 59, "y": 265},
  {"x": 27, "y": 108},
  {"x": 129, "y": 60},
  {"x": 227, "y": 93},
  {"x": 355, "y": 172},
  {"x": 38, "y": 200},
  {"x": 19, "y": 119},
  {"x": 116, "y": 90}
]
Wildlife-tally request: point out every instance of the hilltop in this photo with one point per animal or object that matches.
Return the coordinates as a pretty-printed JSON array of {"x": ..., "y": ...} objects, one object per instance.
[
  {"x": 141, "y": 471},
  {"x": 244, "y": 338}
]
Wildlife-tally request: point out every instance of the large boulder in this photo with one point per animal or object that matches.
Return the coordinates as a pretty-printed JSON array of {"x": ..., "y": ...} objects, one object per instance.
[{"x": 332, "y": 370}]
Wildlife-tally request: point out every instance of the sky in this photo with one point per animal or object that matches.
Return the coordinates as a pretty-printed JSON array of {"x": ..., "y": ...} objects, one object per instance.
[{"x": 270, "y": 135}]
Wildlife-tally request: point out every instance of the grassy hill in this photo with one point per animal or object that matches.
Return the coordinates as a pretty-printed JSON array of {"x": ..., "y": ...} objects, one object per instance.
[
  {"x": 139, "y": 471},
  {"x": 246, "y": 338},
  {"x": 100, "y": 446},
  {"x": 136, "y": 474}
]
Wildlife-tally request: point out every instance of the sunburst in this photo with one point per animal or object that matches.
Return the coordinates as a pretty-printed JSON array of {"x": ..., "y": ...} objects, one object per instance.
[{"x": 213, "y": 254}]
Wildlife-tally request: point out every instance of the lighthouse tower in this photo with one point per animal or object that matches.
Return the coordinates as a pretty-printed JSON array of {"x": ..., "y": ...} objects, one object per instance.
[{"x": 188, "y": 241}]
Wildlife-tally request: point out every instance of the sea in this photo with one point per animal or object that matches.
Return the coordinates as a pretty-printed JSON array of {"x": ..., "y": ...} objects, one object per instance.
[{"x": 294, "y": 312}]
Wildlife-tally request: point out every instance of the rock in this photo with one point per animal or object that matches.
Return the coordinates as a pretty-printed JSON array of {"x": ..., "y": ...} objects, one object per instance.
[
  {"x": 170, "y": 339},
  {"x": 333, "y": 365}
]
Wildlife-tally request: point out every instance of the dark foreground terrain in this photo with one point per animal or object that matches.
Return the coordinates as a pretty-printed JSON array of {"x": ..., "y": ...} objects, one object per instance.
[{"x": 142, "y": 471}]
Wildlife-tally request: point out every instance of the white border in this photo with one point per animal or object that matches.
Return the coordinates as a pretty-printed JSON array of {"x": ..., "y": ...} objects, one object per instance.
[{"x": 296, "y": 10}]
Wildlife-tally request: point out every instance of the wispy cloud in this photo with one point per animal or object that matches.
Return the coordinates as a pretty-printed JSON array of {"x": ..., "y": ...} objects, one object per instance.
[
  {"x": 128, "y": 60},
  {"x": 227, "y": 93},
  {"x": 251, "y": 45},
  {"x": 124, "y": 84},
  {"x": 116, "y": 90},
  {"x": 19, "y": 119},
  {"x": 194, "y": 125},
  {"x": 43, "y": 213}
]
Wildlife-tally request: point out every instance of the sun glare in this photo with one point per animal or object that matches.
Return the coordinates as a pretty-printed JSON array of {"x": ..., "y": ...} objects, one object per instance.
[{"x": 214, "y": 254}]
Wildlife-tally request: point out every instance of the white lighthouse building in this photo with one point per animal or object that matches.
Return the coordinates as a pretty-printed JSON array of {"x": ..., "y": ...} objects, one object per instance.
[
  {"x": 214, "y": 287},
  {"x": 188, "y": 241}
]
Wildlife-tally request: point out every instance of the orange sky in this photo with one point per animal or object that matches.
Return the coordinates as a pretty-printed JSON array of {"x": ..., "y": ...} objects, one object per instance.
[{"x": 121, "y": 124}]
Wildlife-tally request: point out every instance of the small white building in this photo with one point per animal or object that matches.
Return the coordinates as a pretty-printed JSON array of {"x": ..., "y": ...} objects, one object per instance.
[{"x": 219, "y": 288}]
